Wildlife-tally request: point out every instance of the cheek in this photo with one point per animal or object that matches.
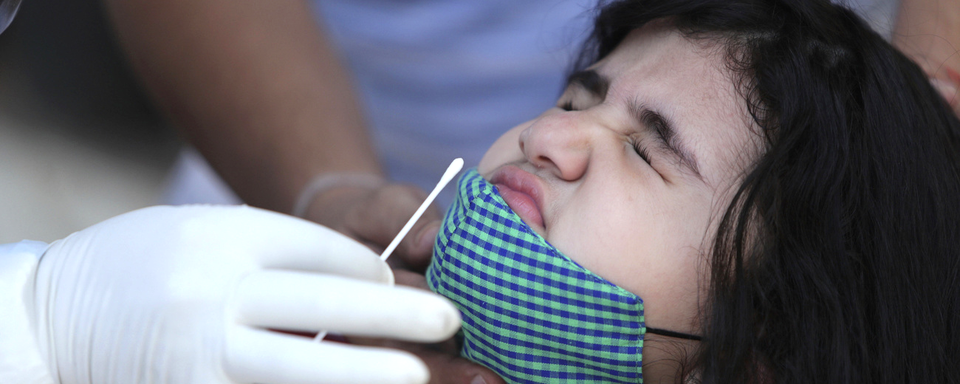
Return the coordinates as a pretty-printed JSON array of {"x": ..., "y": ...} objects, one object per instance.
[
  {"x": 648, "y": 246},
  {"x": 505, "y": 150},
  {"x": 615, "y": 238}
]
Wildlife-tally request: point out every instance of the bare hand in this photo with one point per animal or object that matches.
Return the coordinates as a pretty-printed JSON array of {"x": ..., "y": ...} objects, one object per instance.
[{"x": 374, "y": 216}]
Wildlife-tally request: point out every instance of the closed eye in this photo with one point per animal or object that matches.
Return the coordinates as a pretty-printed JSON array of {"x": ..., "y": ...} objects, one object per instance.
[{"x": 640, "y": 149}]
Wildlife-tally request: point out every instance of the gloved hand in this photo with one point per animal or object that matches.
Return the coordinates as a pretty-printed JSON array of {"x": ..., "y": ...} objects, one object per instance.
[{"x": 187, "y": 294}]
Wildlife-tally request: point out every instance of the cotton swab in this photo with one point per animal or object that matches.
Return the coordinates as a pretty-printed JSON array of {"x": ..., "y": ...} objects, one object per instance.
[{"x": 452, "y": 170}]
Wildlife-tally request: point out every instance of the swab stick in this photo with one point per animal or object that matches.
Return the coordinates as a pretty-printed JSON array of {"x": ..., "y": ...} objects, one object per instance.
[{"x": 452, "y": 171}]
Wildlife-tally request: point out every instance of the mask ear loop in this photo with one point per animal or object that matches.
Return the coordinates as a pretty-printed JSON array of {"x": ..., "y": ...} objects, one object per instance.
[{"x": 678, "y": 335}]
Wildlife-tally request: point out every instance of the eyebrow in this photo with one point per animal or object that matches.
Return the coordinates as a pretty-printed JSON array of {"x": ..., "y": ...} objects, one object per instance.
[
  {"x": 597, "y": 85},
  {"x": 666, "y": 135},
  {"x": 591, "y": 81}
]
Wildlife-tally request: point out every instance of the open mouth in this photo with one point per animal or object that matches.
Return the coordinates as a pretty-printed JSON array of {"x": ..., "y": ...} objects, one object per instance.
[{"x": 522, "y": 192}]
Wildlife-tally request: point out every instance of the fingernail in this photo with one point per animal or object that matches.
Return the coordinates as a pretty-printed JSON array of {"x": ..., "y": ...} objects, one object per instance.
[
  {"x": 478, "y": 379},
  {"x": 427, "y": 236}
]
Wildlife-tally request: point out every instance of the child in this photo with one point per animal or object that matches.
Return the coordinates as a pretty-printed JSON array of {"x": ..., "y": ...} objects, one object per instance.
[{"x": 728, "y": 191}]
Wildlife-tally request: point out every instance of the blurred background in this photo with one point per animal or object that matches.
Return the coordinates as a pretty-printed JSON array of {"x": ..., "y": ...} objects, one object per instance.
[{"x": 79, "y": 141}]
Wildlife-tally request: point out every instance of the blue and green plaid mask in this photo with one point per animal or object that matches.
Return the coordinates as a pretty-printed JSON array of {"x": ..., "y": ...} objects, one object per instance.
[{"x": 530, "y": 313}]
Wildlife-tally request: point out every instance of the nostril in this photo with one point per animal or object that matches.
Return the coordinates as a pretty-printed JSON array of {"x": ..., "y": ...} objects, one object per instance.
[{"x": 542, "y": 160}]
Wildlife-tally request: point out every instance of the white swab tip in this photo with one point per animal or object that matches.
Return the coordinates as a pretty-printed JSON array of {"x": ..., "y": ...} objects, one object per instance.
[{"x": 453, "y": 169}]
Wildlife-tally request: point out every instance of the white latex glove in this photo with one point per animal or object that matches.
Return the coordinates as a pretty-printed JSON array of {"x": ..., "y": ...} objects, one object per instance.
[{"x": 186, "y": 294}]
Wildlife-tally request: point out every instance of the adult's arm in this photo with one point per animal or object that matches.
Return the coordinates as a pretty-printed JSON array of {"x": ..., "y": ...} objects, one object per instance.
[
  {"x": 256, "y": 87},
  {"x": 928, "y": 31}
]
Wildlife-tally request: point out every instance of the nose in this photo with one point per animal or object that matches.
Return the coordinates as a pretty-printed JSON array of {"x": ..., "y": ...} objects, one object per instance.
[{"x": 560, "y": 142}]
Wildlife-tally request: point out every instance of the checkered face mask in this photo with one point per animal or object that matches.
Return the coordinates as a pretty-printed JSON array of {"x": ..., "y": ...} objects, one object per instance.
[{"x": 530, "y": 313}]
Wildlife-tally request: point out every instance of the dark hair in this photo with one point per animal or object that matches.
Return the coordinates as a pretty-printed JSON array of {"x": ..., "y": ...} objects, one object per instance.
[{"x": 837, "y": 261}]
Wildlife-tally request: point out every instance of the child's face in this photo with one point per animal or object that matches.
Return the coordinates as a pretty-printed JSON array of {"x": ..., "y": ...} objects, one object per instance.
[{"x": 576, "y": 178}]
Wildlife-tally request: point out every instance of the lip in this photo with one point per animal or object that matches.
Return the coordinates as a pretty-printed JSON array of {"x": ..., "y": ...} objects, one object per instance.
[{"x": 522, "y": 192}]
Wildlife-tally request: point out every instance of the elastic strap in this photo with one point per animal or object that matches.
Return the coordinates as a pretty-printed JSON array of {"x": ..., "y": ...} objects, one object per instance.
[{"x": 678, "y": 335}]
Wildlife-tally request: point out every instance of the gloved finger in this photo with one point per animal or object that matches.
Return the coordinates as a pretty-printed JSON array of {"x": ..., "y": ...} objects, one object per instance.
[
  {"x": 260, "y": 356},
  {"x": 282, "y": 241},
  {"x": 387, "y": 211},
  {"x": 311, "y": 302}
]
